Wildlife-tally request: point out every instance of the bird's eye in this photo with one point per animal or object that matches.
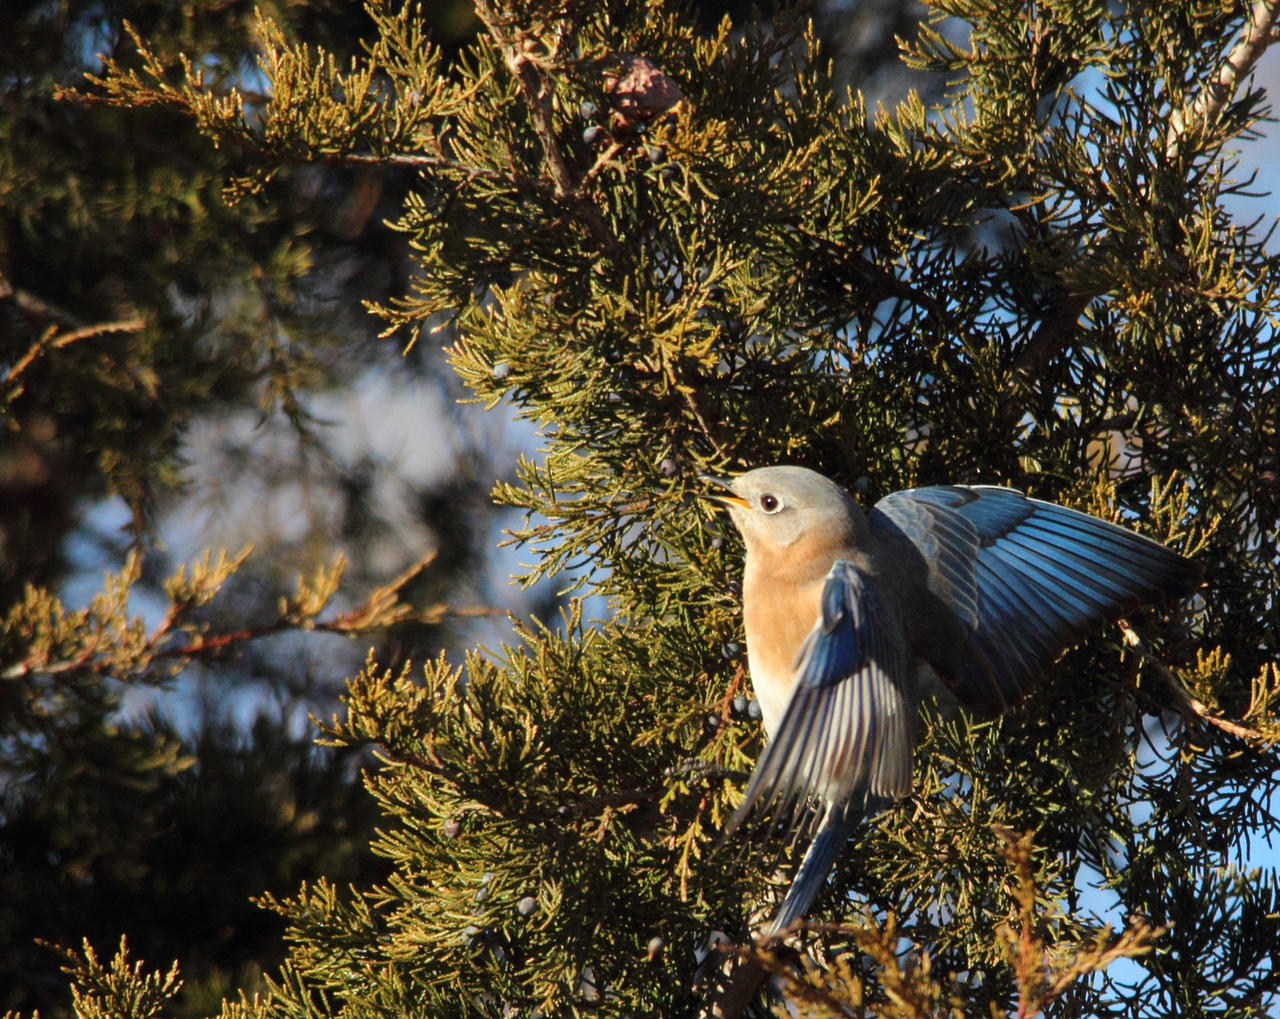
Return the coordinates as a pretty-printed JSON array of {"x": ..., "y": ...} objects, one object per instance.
[{"x": 770, "y": 503}]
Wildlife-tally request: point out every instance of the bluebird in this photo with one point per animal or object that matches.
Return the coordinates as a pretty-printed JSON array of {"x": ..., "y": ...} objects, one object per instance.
[{"x": 984, "y": 585}]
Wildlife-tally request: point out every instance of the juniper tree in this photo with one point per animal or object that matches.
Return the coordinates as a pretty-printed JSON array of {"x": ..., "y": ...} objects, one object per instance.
[{"x": 679, "y": 252}]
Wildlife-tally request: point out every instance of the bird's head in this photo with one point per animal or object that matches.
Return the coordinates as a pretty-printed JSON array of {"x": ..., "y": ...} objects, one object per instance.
[{"x": 775, "y": 507}]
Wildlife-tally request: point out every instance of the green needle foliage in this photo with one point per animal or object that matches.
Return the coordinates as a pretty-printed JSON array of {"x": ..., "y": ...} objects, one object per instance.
[{"x": 1034, "y": 284}]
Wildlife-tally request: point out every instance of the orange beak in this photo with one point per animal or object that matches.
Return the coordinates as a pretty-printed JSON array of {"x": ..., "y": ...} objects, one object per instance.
[{"x": 731, "y": 499}]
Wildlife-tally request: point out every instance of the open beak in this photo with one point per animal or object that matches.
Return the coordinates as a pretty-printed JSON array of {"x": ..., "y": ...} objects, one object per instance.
[{"x": 731, "y": 499}]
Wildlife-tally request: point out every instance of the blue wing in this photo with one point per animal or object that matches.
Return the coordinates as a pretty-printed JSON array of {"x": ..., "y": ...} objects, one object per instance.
[
  {"x": 845, "y": 740},
  {"x": 1023, "y": 578}
]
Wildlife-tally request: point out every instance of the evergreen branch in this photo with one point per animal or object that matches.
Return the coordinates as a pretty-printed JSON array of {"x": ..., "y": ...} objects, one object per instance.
[
  {"x": 415, "y": 160},
  {"x": 874, "y": 272},
  {"x": 816, "y": 986},
  {"x": 50, "y": 339},
  {"x": 529, "y": 68},
  {"x": 348, "y": 624},
  {"x": 1058, "y": 328},
  {"x": 381, "y": 609},
  {"x": 1027, "y": 961},
  {"x": 247, "y": 141},
  {"x": 123, "y": 988},
  {"x": 1055, "y": 331},
  {"x": 897, "y": 286},
  {"x": 745, "y": 978},
  {"x": 354, "y": 108},
  {"x": 1259, "y": 33},
  {"x": 528, "y": 71},
  {"x": 1184, "y": 696},
  {"x": 1040, "y": 981}
]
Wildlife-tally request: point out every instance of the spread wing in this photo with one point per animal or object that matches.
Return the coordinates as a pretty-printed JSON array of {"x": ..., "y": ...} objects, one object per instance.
[
  {"x": 1024, "y": 578},
  {"x": 844, "y": 744},
  {"x": 848, "y": 730}
]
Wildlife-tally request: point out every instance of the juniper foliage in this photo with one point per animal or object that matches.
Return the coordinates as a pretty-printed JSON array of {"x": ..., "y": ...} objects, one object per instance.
[{"x": 1034, "y": 284}]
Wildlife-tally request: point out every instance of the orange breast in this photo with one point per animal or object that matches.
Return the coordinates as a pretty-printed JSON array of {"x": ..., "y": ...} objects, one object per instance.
[{"x": 777, "y": 618}]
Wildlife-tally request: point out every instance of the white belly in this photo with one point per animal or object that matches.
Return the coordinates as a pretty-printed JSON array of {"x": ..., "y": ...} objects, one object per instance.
[{"x": 772, "y": 692}]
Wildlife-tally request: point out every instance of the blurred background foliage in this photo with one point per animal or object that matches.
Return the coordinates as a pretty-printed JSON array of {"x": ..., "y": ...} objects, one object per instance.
[{"x": 183, "y": 373}]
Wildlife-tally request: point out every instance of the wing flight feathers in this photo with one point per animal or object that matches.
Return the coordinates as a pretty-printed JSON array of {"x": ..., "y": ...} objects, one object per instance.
[
  {"x": 851, "y": 715},
  {"x": 1023, "y": 578}
]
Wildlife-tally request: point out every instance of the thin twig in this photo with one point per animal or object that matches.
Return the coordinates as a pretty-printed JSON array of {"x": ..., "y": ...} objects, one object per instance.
[
  {"x": 1192, "y": 704},
  {"x": 1259, "y": 33},
  {"x": 517, "y": 52},
  {"x": 1056, "y": 330},
  {"x": 416, "y": 160},
  {"x": 745, "y": 978},
  {"x": 51, "y": 339},
  {"x": 605, "y": 158}
]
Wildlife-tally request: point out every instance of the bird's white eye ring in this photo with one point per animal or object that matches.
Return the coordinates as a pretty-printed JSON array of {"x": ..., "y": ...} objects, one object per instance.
[{"x": 770, "y": 503}]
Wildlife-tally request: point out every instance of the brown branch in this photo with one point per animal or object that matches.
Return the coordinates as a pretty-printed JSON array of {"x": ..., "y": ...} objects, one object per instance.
[
  {"x": 51, "y": 339},
  {"x": 56, "y": 341},
  {"x": 527, "y": 70},
  {"x": 1056, "y": 330},
  {"x": 1184, "y": 696},
  {"x": 530, "y": 70},
  {"x": 537, "y": 93},
  {"x": 1259, "y": 33},
  {"x": 740, "y": 989},
  {"x": 416, "y": 160},
  {"x": 375, "y": 613}
]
